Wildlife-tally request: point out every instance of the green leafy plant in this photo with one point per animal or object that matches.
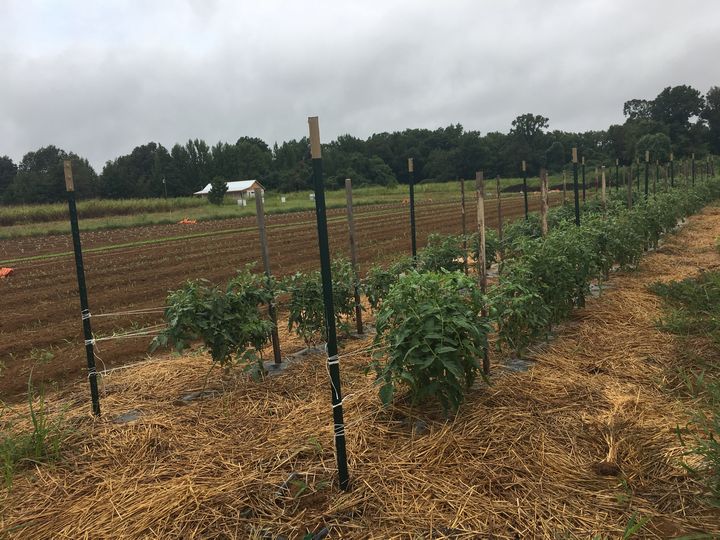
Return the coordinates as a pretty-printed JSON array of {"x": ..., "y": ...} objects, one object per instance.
[
  {"x": 378, "y": 280},
  {"x": 430, "y": 335},
  {"x": 441, "y": 252},
  {"x": 521, "y": 314},
  {"x": 492, "y": 246},
  {"x": 40, "y": 444},
  {"x": 230, "y": 322},
  {"x": 306, "y": 309}
]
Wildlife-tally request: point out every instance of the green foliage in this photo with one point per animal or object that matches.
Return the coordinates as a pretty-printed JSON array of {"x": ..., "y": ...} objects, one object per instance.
[
  {"x": 432, "y": 334},
  {"x": 441, "y": 252},
  {"x": 519, "y": 310},
  {"x": 702, "y": 439},
  {"x": 306, "y": 308},
  {"x": 693, "y": 309},
  {"x": 694, "y": 305},
  {"x": 378, "y": 280},
  {"x": 230, "y": 321},
  {"x": 492, "y": 246},
  {"x": 218, "y": 188},
  {"x": 40, "y": 444}
]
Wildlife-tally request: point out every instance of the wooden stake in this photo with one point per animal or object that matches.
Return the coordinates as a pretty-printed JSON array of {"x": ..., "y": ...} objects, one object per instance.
[
  {"x": 464, "y": 225},
  {"x": 482, "y": 271},
  {"x": 543, "y": 201},
  {"x": 353, "y": 255},
  {"x": 499, "y": 210},
  {"x": 260, "y": 212},
  {"x": 603, "y": 185},
  {"x": 596, "y": 182},
  {"x": 629, "y": 179}
]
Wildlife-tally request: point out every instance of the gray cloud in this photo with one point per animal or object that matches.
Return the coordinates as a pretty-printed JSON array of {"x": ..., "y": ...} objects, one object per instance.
[{"x": 99, "y": 78}]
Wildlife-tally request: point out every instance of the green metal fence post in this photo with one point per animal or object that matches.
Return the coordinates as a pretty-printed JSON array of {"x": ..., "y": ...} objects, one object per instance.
[
  {"x": 82, "y": 289},
  {"x": 333, "y": 363}
]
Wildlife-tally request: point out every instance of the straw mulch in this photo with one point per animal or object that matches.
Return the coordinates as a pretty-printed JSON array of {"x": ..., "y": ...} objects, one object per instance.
[{"x": 570, "y": 449}]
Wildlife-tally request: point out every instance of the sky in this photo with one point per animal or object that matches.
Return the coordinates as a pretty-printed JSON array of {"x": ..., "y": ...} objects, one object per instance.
[{"x": 99, "y": 77}]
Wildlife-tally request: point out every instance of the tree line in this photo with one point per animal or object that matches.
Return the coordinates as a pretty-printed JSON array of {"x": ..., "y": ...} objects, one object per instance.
[{"x": 680, "y": 120}]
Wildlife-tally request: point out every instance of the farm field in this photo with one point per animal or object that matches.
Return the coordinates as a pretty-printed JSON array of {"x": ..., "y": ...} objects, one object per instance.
[
  {"x": 132, "y": 269},
  {"x": 521, "y": 459},
  {"x": 102, "y": 215}
]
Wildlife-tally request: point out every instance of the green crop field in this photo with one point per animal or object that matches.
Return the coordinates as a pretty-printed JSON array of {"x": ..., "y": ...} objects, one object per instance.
[{"x": 37, "y": 220}]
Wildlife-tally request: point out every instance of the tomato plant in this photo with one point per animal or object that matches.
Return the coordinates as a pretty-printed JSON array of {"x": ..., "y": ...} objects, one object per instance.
[
  {"x": 519, "y": 310},
  {"x": 378, "y": 280},
  {"x": 492, "y": 246},
  {"x": 429, "y": 337},
  {"x": 231, "y": 322},
  {"x": 306, "y": 308},
  {"x": 441, "y": 252}
]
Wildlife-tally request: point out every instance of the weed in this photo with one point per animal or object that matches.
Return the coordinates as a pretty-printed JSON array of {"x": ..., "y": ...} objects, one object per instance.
[{"x": 40, "y": 444}]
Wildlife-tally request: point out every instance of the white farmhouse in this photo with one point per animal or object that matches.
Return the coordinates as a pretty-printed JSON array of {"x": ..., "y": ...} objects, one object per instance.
[{"x": 239, "y": 190}]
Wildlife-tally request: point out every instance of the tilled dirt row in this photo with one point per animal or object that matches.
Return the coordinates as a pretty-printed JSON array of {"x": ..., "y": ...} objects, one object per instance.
[{"x": 39, "y": 323}]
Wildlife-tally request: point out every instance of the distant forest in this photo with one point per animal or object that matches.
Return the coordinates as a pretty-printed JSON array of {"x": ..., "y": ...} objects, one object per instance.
[{"x": 680, "y": 119}]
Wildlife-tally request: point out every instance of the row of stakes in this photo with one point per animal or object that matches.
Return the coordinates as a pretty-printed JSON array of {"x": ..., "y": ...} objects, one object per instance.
[{"x": 333, "y": 363}]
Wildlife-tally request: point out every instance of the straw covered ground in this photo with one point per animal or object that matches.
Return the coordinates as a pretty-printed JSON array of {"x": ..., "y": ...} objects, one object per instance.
[{"x": 572, "y": 448}]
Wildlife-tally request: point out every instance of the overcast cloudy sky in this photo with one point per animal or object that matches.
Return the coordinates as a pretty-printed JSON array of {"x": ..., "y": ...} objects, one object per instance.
[{"x": 99, "y": 77}]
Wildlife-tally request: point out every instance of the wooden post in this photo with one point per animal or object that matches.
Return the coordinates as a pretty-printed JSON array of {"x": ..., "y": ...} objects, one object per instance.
[
  {"x": 525, "y": 188},
  {"x": 464, "y": 224},
  {"x": 543, "y": 201},
  {"x": 413, "y": 238},
  {"x": 82, "y": 289},
  {"x": 499, "y": 210},
  {"x": 629, "y": 180},
  {"x": 672, "y": 171},
  {"x": 353, "y": 255},
  {"x": 603, "y": 186},
  {"x": 260, "y": 212},
  {"x": 596, "y": 182},
  {"x": 657, "y": 176},
  {"x": 482, "y": 271},
  {"x": 575, "y": 185}
]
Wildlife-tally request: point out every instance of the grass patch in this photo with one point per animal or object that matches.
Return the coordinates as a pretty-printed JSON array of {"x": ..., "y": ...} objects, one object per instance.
[
  {"x": 693, "y": 310},
  {"x": 22, "y": 443},
  {"x": 693, "y": 305}
]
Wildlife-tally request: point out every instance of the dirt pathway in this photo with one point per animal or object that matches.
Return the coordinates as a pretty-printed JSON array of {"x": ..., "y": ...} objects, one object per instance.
[{"x": 572, "y": 448}]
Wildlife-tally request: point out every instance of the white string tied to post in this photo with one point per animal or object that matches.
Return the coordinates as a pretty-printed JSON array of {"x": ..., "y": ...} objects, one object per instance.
[
  {"x": 85, "y": 314},
  {"x": 90, "y": 342},
  {"x": 339, "y": 430}
]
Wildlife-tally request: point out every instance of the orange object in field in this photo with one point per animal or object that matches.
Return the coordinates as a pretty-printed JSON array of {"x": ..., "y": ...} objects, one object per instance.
[
  {"x": 5, "y": 272},
  {"x": 187, "y": 221}
]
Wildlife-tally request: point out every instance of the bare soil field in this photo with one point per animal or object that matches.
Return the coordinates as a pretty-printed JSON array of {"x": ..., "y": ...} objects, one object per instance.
[{"x": 40, "y": 321}]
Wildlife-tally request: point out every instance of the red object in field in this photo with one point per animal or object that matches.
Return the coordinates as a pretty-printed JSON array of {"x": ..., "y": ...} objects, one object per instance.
[
  {"x": 5, "y": 272},
  {"x": 187, "y": 221}
]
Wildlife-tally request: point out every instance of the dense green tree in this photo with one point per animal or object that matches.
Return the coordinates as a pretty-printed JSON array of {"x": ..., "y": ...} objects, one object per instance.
[
  {"x": 8, "y": 170},
  {"x": 218, "y": 188},
  {"x": 675, "y": 107},
  {"x": 40, "y": 177},
  {"x": 658, "y": 145},
  {"x": 638, "y": 109},
  {"x": 711, "y": 114}
]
